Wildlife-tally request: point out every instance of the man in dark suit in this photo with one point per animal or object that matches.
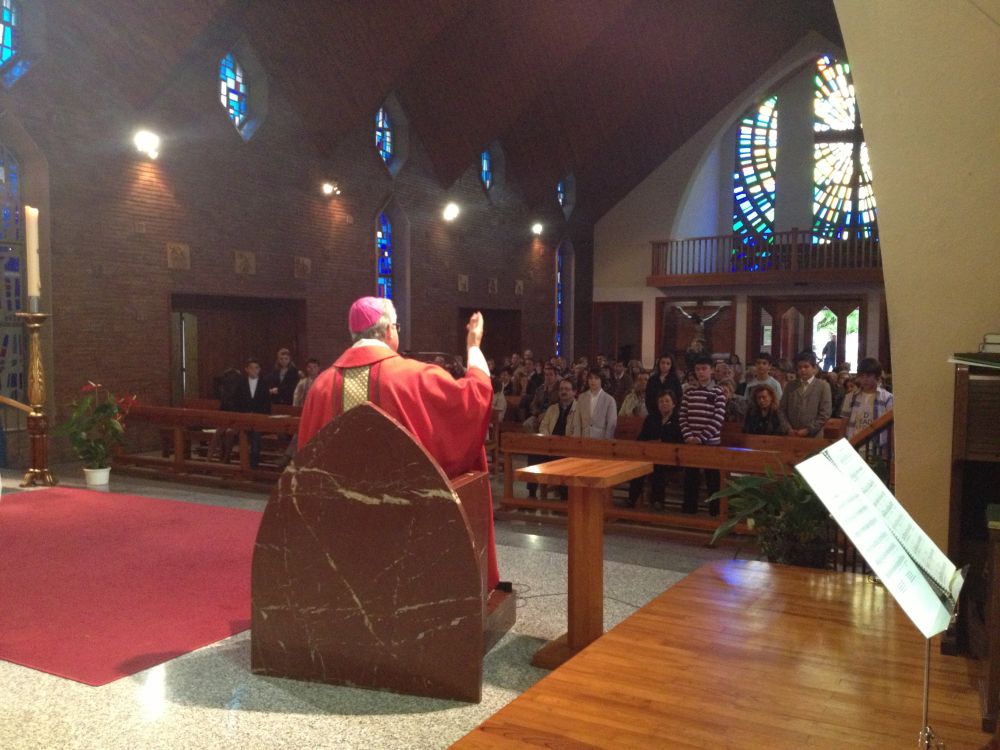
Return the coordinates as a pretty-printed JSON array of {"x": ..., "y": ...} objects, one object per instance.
[
  {"x": 252, "y": 397},
  {"x": 806, "y": 403}
]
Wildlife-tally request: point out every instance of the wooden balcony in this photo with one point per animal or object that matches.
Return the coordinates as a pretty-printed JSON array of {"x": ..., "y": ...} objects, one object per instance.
[{"x": 790, "y": 258}]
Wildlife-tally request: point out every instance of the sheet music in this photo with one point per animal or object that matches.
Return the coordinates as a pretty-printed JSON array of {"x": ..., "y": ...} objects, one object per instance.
[{"x": 898, "y": 551}]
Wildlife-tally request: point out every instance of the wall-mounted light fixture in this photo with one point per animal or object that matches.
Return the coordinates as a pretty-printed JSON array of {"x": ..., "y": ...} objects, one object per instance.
[
  {"x": 537, "y": 228},
  {"x": 450, "y": 212},
  {"x": 147, "y": 142},
  {"x": 330, "y": 188}
]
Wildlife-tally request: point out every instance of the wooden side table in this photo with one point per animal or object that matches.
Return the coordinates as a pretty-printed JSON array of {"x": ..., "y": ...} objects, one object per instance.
[{"x": 590, "y": 481}]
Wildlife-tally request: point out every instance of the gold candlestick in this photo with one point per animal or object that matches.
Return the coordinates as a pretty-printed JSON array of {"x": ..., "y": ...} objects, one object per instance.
[{"x": 38, "y": 433}]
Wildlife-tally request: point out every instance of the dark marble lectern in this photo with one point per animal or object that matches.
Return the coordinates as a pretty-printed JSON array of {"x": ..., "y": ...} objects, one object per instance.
[{"x": 370, "y": 567}]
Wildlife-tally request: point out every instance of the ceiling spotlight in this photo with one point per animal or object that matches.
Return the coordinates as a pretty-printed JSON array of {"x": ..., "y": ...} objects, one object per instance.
[
  {"x": 331, "y": 188},
  {"x": 147, "y": 142},
  {"x": 450, "y": 212},
  {"x": 536, "y": 228}
]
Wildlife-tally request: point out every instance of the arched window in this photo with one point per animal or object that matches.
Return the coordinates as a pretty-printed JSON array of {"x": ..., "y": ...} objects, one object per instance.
[
  {"x": 843, "y": 201},
  {"x": 486, "y": 169},
  {"x": 383, "y": 135},
  {"x": 753, "y": 186},
  {"x": 560, "y": 301},
  {"x": 233, "y": 87},
  {"x": 383, "y": 250},
  {"x": 11, "y": 257},
  {"x": 8, "y": 32}
]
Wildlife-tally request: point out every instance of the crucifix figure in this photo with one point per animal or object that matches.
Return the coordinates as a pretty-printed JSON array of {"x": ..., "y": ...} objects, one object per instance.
[{"x": 699, "y": 342}]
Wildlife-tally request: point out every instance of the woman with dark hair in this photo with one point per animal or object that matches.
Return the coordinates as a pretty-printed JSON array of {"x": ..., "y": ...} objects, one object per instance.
[
  {"x": 663, "y": 378},
  {"x": 763, "y": 416},
  {"x": 663, "y": 425}
]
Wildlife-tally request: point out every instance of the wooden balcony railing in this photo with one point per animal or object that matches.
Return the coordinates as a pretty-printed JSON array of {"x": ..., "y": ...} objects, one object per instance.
[{"x": 792, "y": 251}]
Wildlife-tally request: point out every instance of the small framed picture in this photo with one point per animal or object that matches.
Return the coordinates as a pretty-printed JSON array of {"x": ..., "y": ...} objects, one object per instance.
[
  {"x": 494, "y": 285},
  {"x": 463, "y": 282},
  {"x": 178, "y": 256},
  {"x": 519, "y": 288},
  {"x": 245, "y": 262},
  {"x": 303, "y": 267}
]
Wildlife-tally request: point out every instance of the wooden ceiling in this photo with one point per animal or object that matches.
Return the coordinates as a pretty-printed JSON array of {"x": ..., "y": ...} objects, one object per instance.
[{"x": 603, "y": 89}]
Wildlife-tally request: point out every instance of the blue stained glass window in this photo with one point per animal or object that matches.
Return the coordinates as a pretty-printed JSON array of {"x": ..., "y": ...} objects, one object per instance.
[
  {"x": 559, "y": 300},
  {"x": 843, "y": 200},
  {"x": 486, "y": 169},
  {"x": 8, "y": 31},
  {"x": 561, "y": 192},
  {"x": 383, "y": 135},
  {"x": 383, "y": 250},
  {"x": 753, "y": 188},
  {"x": 233, "y": 89},
  {"x": 11, "y": 228}
]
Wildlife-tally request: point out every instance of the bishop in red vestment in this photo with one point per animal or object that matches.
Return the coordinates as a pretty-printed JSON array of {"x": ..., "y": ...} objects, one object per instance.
[{"x": 448, "y": 417}]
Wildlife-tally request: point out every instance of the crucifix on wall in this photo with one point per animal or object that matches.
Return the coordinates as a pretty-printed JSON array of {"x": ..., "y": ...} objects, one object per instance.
[{"x": 699, "y": 341}]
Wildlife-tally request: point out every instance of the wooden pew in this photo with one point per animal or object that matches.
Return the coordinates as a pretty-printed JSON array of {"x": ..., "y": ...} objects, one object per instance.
[
  {"x": 182, "y": 423},
  {"x": 370, "y": 567}
]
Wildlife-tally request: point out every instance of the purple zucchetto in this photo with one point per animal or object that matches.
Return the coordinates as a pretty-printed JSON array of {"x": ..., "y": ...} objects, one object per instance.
[{"x": 365, "y": 313}]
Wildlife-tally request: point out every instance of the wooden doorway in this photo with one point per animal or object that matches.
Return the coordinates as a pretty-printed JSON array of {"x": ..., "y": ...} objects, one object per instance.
[
  {"x": 617, "y": 330},
  {"x": 210, "y": 334},
  {"x": 501, "y": 336}
]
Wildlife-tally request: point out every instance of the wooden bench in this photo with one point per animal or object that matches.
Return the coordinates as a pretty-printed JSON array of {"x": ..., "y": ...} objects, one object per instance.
[{"x": 185, "y": 425}]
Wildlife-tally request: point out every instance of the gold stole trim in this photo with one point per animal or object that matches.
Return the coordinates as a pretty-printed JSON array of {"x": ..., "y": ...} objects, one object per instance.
[{"x": 355, "y": 386}]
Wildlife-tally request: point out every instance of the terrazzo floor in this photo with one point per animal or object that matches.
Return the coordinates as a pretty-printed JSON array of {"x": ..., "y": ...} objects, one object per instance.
[{"x": 209, "y": 698}]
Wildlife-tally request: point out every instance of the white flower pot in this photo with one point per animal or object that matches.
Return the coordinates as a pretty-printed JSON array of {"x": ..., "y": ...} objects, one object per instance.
[{"x": 97, "y": 477}]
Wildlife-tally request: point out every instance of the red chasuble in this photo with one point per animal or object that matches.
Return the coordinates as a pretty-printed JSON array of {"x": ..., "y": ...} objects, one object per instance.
[{"x": 448, "y": 417}]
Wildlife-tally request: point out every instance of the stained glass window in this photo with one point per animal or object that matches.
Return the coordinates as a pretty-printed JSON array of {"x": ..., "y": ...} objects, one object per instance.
[
  {"x": 383, "y": 263},
  {"x": 753, "y": 187},
  {"x": 843, "y": 201},
  {"x": 486, "y": 170},
  {"x": 11, "y": 227},
  {"x": 383, "y": 135},
  {"x": 8, "y": 31},
  {"x": 233, "y": 88},
  {"x": 559, "y": 300},
  {"x": 561, "y": 192}
]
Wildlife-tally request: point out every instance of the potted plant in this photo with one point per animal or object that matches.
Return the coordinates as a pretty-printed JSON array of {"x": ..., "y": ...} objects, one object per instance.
[
  {"x": 96, "y": 424},
  {"x": 791, "y": 524}
]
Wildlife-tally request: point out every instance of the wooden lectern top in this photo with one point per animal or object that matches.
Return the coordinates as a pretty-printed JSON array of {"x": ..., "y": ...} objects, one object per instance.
[{"x": 597, "y": 473}]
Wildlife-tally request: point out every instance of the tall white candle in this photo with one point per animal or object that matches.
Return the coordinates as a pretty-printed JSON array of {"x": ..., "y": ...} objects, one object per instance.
[{"x": 31, "y": 242}]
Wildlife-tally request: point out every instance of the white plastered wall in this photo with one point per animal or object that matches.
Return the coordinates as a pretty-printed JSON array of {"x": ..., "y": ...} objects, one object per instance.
[
  {"x": 925, "y": 74},
  {"x": 689, "y": 195}
]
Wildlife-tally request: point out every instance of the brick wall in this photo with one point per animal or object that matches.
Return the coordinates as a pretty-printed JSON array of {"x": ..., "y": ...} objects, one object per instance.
[{"x": 108, "y": 214}]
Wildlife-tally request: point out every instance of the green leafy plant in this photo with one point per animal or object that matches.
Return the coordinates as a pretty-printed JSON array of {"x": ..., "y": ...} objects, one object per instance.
[
  {"x": 96, "y": 424},
  {"x": 790, "y": 522}
]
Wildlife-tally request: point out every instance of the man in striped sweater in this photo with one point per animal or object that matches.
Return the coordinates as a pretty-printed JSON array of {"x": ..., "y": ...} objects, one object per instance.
[{"x": 703, "y": 409}]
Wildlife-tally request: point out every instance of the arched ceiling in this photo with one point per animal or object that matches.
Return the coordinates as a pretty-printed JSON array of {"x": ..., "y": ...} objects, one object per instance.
[{"x": 603, "y": 89}]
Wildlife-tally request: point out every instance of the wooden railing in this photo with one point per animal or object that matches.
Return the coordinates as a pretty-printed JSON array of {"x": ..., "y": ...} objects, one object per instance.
[
  {"x": 745, "y": 454},
  {"x": 792, "y": 251}
]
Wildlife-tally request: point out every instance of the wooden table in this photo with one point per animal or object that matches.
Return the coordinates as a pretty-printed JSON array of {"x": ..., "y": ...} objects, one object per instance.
[
  {"x": 590, "y": 481},
  {"x": 749, "y": 655}
]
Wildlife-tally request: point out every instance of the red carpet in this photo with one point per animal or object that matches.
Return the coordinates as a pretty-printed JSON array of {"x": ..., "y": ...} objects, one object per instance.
[{"x": 95, "y": 586}]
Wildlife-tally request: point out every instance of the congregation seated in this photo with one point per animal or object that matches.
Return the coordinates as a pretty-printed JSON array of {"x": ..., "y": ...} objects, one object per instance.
[
  {"x": 736, "y": 405},
  {"x": 664, "y": 377},
  {"x": 807, "y": 403},
  {"x": 634, "y": 403},
  {"x": 866, "y": 404},
  {"x": 763, "y": 416},
  {"x": 664, "y": 426},
  {"x": 619, "y": 385}
]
